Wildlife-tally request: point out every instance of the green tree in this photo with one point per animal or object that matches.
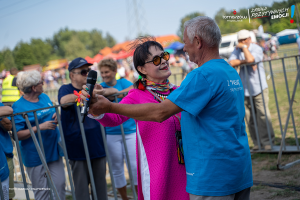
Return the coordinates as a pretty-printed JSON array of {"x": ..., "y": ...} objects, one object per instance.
[
  {"x": 232, "y": 27},
  {"x": 186, "y": 18},
  {"x": 75, "y": 48},
  {"x": 110, "y": 40},
  {"x": 64, "y": 44},
  {"x": 24, "y": 55},
  {"x": 6, "y": 59},
  {"x": 219, "y": 16},
  {"x": 60, "y": 39},
  {"x": 98, "y": 41},
  {"x": 42, "y": 50},
  {"x": 92, "y": 42},
  {"x": 85, "y": 38}
]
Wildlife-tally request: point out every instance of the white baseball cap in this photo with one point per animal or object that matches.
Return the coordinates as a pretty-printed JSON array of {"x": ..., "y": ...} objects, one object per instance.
[{"x": 243, "y": 34}]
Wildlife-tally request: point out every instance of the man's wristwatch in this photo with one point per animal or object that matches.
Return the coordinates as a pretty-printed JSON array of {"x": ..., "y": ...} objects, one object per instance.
[{"x": 244, "y": 46}]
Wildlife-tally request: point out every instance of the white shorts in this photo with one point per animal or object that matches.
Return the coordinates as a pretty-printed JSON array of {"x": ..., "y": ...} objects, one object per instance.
[{"x": 117, "y": 154}]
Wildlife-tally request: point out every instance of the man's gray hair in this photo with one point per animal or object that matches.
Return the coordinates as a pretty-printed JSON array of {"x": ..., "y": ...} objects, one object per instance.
[
  {"x": 26, "y": 80},
  {"x": 204, "y": 27}
]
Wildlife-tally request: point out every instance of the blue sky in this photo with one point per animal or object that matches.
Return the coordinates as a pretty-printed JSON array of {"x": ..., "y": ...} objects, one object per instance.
[{"x": 25, "y": 19}]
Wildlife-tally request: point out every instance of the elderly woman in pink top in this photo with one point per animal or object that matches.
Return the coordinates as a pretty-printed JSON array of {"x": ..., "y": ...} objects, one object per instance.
[{"x": 161, "y": 170}]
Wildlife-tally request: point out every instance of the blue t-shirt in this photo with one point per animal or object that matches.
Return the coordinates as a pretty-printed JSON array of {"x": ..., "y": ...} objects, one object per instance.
[
  {"x": 4, "y": 171},
  {"x": 72, "y": 133},
  {"x": 5, "y": 141},
  {"x": 50, "y": 138},
  {"x": 216, "y": 152},
  {"x": 129, "y": 125}
]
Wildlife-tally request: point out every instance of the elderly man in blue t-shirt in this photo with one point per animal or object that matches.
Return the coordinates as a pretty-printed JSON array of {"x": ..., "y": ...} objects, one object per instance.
[
  {"x": 247, "y": 52},
  {"x": 211, "y": 100}
]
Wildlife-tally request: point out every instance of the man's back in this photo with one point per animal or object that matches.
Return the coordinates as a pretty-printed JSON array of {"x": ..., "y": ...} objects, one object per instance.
[{"x": 215, "y": 142}]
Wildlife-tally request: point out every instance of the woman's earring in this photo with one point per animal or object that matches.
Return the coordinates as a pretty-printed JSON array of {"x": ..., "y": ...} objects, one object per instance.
[{"x": 141, "y": 85}]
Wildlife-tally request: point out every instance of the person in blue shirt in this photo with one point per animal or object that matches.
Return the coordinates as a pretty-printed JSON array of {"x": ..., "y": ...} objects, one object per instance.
[
  {"x": 247, "y": 52},
  {"x": 108, "y": 70},
  {"x": 6, "y": 148},
  {"x": 211, "y": 99},
  {"x": 6, "y": 143},
  {"x": 31, "y": 83},
  {"x": 78, "y": 71}
]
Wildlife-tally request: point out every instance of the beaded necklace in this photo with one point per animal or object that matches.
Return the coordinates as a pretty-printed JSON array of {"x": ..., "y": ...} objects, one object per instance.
[{"x": 161, "y": 96}]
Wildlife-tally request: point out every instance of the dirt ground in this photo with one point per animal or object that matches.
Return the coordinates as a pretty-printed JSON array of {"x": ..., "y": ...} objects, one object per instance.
[{"x": 270, "y": 183}]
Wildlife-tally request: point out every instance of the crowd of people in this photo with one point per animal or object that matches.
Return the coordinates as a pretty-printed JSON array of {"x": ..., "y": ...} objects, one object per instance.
[
  {"x": 269, "y": 47},
  {"x": 170, "y": 131}
]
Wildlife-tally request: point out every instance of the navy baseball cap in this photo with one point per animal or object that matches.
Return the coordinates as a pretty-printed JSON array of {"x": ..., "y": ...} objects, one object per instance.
[{"x": 78, "y": 62}]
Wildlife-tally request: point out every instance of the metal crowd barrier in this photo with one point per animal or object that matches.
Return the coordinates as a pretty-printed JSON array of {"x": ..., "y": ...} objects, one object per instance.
[
  {"x": 280, "y": 64},
  {"x": 40, "y": 150}
]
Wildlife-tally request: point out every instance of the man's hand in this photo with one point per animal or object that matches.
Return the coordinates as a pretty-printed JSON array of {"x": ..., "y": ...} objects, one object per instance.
[
  {"x": 54, "y": 117},
  {"x": 6, "y": 124},
  {"x": 100, "y": 106},
  {"x": 98, "y": 89},
  {"x": 240, "y": 45},
  {"x": 49, "y": 125}
]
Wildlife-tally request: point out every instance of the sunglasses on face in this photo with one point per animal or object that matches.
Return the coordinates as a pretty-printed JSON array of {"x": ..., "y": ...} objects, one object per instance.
[
  {"x": 157, "y": 59},
  {"x": 83, "y": 72}
]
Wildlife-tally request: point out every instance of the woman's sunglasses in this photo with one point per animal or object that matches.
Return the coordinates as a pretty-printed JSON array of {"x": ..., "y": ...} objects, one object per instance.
[
  {"x": 83, "y": 72},
  {"x": 157, "y": 59}
]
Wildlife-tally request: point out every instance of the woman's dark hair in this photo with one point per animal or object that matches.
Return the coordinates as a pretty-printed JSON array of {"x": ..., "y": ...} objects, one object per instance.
[{"x": 141, "y": 53}]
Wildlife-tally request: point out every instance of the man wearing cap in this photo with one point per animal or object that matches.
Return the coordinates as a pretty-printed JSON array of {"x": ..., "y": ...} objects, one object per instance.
[
  {"x": 79, "y": 69},
  {"x": 245, "y": 53}
]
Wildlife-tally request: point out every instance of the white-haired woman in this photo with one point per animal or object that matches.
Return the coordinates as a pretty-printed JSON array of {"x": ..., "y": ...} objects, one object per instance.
[{"x": 32, "y": 85}]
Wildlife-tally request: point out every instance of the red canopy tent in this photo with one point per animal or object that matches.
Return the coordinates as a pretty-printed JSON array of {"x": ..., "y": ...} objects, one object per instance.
[
  {"x": 96, "y": 58},
  {"x": 124, "y": 54},
  {"x": 111, "y": 55},
  {"x": 89, "y": 59}
]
